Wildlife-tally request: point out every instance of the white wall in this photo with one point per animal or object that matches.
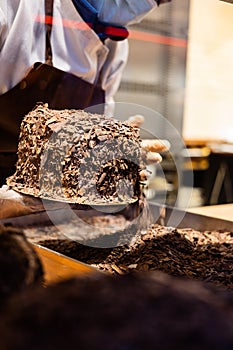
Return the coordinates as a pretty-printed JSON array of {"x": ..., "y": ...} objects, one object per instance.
[{"x": 208, "y": 110}]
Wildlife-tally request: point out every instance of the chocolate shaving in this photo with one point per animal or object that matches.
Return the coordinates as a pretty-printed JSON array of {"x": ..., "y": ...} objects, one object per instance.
[{"x": 186, "y": 253}]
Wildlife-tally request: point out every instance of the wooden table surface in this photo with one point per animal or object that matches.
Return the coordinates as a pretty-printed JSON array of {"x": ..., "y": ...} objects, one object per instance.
[{"x": 221, "y": 211}]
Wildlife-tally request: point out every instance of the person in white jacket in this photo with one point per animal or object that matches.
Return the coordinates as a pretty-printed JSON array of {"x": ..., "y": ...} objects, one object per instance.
[
  {"x": 76, "y": 48},
  {"x": 69, "y": 53}
]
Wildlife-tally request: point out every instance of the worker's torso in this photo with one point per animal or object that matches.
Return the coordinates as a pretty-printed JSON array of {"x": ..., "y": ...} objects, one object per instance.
[{"x": 76, "y": 48}]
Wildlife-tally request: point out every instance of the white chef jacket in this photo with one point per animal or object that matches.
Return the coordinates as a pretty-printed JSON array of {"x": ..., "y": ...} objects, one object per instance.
[{"x": 75, "y": 47}]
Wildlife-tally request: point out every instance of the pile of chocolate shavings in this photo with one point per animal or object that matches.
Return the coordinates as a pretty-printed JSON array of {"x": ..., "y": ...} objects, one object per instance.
[
  {"x": 97, "y": 231},
  {"x": 205, "y": 256}
]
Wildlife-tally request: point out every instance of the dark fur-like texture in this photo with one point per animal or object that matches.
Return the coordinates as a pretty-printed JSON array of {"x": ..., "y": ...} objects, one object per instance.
[
  {"x": 20, "y": 266},
  {"x": 131, "y": 312}
]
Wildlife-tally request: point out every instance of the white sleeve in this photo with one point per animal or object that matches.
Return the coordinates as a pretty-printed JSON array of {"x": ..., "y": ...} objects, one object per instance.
[
  {"x": 112, "y": 71},
  {"x": 122, "y": 12}
]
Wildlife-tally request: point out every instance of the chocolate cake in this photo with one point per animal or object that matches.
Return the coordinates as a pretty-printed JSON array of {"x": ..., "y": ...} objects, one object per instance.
[
  {"x": 20, "y": 266},
  {"x": 78, "y": 157},
  {"x": 136, "y": 311}
]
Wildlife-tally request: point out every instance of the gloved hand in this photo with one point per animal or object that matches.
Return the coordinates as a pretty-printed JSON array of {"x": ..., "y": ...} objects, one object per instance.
[
  {"x": 13, "y": 203},
  {"x": 151, "y": 148}
]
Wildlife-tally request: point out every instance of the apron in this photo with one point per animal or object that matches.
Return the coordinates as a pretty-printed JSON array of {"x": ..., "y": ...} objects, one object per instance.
[{"x": 44, "y": 83}]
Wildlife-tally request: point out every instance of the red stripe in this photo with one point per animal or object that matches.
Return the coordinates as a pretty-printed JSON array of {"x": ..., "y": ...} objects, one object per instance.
[
  {"x": 113, "y": 31},
  {"x": 133, "y": 34},
  {"x": 62, "y": 22},
  {"x": 158, "y": 39}
]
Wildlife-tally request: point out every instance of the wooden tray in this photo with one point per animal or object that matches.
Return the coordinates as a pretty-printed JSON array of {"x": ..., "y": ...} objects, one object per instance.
[{"x": 58, "y": 267}]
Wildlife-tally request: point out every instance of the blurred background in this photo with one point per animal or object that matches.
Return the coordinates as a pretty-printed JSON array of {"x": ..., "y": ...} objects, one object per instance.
[{"x": 180, "y": 72}]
